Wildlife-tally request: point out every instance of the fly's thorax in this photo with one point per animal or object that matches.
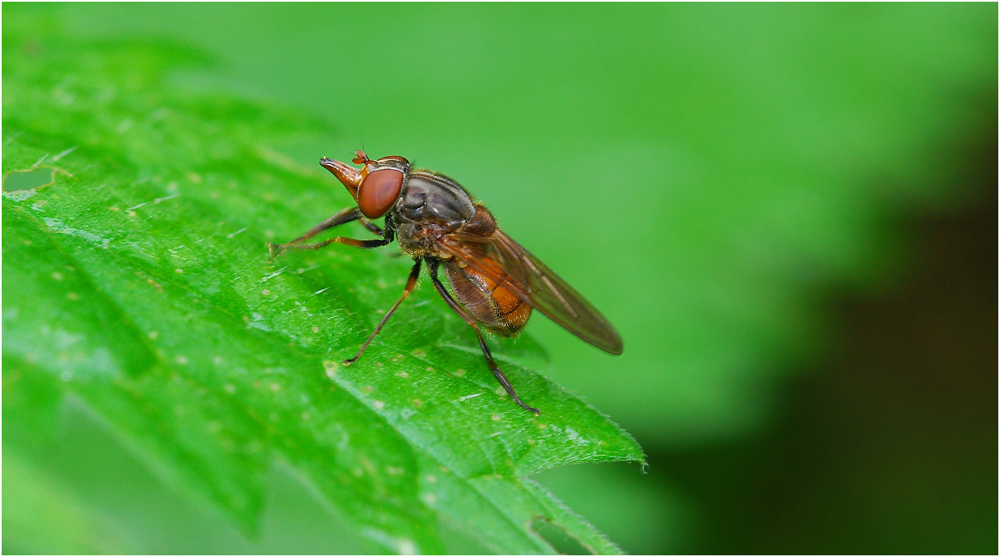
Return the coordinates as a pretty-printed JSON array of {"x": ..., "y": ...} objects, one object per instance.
[{"x": 433, "y": 198}]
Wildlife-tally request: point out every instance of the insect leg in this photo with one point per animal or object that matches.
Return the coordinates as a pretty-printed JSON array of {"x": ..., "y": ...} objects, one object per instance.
[
  {"x": 365, "y": 244},
  {"x": 371, "y": 226},
  {"x": 341, "y": 217},
  {"x": 482, "y": 343},
  {"x": 345, "y": 216},
  {"x": 410, "y": 284}
]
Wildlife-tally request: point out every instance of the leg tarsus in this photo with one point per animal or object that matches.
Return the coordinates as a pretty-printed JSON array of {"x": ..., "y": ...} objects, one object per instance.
[
  {"x": 274, "y": 250},
  {"x": 277, "y": 250}
]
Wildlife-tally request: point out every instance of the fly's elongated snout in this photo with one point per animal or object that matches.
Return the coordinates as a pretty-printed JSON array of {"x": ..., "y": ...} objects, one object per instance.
[
  {"x": 347, "y": 174},
  {"x": 495, "y": 283}
]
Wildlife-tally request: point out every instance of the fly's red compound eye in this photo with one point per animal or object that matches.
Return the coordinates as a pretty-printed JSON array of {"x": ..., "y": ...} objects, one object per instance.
[{"x": 379, "y": 191}]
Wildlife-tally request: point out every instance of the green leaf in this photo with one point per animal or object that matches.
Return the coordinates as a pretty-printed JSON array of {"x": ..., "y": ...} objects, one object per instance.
[{"x": 137, "y": 282}]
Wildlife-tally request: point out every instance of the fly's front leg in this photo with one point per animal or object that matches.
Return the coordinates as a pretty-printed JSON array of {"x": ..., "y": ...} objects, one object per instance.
[
  {"x": 457, "y": 308},
  {"x": 342, "y": 217},
  {"x": 374, "y": 228},
  {"x": 410, "y": 284}
]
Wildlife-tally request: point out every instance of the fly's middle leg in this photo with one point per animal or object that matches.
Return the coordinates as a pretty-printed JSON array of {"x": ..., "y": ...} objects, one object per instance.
[{"x": 457, "y": 308}]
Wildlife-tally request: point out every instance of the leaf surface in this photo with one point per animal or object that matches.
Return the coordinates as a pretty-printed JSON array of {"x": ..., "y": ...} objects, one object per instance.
[{"x": 137, "y": 281}]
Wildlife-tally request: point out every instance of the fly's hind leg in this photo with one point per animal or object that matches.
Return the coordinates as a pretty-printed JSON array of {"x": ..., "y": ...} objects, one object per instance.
[
  {"x": 342, "y": 217},
  {"x": 454, "y": 305}
]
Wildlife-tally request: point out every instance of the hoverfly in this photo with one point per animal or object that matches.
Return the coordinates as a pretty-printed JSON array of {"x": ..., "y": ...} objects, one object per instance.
[{"x": 495, "y": 283}]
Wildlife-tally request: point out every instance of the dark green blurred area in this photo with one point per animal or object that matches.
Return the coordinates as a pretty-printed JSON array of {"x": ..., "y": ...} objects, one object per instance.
[{"x": 787, "y": 210}]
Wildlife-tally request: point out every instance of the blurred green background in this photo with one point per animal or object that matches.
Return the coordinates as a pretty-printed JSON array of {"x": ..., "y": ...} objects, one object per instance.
[{"x": 787, "y": 210}]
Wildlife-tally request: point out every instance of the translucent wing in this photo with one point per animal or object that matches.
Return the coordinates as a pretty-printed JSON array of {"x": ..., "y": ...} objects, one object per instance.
[{"x": 532, "y": 281}]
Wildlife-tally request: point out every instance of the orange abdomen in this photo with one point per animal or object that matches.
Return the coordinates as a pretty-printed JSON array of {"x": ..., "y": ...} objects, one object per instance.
[{"x": 497, "y": 308}]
